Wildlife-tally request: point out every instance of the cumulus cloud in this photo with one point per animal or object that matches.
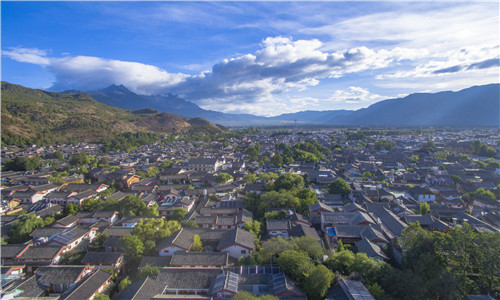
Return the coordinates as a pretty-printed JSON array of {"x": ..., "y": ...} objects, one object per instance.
[
  {"x": 355, "y": 94},
  {"x": 280, "y": 66}
]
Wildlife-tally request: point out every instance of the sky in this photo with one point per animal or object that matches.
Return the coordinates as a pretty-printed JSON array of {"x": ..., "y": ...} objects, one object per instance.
[{"x": 263, "y": 58}]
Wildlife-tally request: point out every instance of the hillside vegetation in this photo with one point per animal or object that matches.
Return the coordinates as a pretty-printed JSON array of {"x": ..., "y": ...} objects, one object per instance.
[{"x": 31, "y": 116}]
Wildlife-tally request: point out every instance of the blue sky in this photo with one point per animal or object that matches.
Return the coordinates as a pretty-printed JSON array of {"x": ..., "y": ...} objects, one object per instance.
[{"x": 265, "y": 58}]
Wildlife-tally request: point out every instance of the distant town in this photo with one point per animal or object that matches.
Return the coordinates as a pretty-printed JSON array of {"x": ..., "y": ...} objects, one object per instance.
[{"x": 256, "y": 213}]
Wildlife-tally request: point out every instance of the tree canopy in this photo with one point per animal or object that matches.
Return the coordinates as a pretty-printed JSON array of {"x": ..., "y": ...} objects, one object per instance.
[{"x": 339, "y": 186}]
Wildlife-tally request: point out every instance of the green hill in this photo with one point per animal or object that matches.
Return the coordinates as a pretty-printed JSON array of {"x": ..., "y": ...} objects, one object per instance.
[{"x": 40, "y": 117}]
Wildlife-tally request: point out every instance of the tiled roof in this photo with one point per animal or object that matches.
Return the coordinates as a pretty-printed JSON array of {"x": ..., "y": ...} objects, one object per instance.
[
  {"x": 237, "y": 236},
  {"x": 89, "y": 286},
  {"x": 215, "y": 259}
]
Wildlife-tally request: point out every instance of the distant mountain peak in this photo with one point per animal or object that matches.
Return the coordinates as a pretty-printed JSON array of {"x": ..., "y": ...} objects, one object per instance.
[{"x": 117, "y": 89}]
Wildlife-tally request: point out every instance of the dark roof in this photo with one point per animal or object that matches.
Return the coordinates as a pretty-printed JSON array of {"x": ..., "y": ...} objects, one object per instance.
[
  {"x": 46, "y": 231},
  {"x": 80, "y": 187},
  {"x": 12, "y": 250},
  {"x": 30, "y": 288},
  {"x": 388, "y": 218},
  {"x": 422, "y": 220},
  {"x": 155, "y": 261},
  {"x": 142, "y": 290},
  {"x": 101, "y": 257},
  {"x": 355, "y": 290},
  {"x": 371, "y": 249},
  {"x": 117, "y": 231},
  {"x": 278, "y": 225},
  {"x": 70, "y": 236},
  {"x": 215, "y": 259},
  {"x": 237, "y": 236},
  {"x": 39, "y": 252},
  {"x": 69, "y": 219},
  {"x": 112, "y": 241},
  {"x": 188, "y": 278},
  {"x": 90, "y": 285},
  {"x": 59, "y": 274},
  {"x": 303, "y": 230}
]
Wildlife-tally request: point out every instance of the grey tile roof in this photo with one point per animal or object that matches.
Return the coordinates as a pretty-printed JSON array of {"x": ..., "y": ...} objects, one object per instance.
[
  {"x": 70, "y": 235},
  {"x": 89, "y": 285},
  {"x": 215, "y": 259},
  {"x": 46, "y": 231},
  {"x": 143, "y": 289},
  {"x": 117, "y": 231},
  {"x": 388, "y": 218},
  {"x": 40, "y": 252},
  {"x": 188, "y": 278},
  {"x": 303, "y": 230},
  {"x": 59, "y": 274},
  {"x": 371, "y": 249},
  {"x": 355, "y": 289},
  {"x": 155, "y": 261},
  {"x": 69, "y": 219},
  {"x": 112, "y": 241},
  {"x": 12, "y": 250},
  {"x": 30, "y": 288},
  {"x": 101, "y": 257},
  {"x": 422, "y": 220},
  {"x": 272, "y": 225},
  {"x": 237, "y": 236}
]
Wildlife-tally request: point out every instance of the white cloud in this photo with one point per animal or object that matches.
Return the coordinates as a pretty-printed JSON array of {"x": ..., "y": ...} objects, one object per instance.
[
  {"x": 355, "y": 95},
  {"x": 27, "y": 55}
]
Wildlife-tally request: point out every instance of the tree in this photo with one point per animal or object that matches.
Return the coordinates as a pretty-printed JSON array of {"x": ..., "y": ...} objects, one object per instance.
[
  {"x": 223, "y": 178},
  {"x": 297, "y": 265},
  {"x": 457, "y": 179},
  {"x": 124, "y": 283},
  {"x": 254, "y": 227},
  {"x": 147, "y": 271},
  {"x": 155, "y": 229},
  {"x": 134, "y": 206},
  {"x": 318, "y": 283},
  {"x": 249, "y": 178},
  {"x": 428, "y": 147},
  {"x": 58, "y": 155},
  {"x": 134, "y": 247},
  {"x": 341, "y": 262},
  {"x": 339, "y": 186},
  {"x": 289, "y": 182},
  {"x": 242, "y": 295},
  {"x": 424, "y": 208},
  {"x": 165, "y": 164},
  {"x": 442, "y": 155},
  {"x": 99, "y": 240},
  {"x": 21, "y": 230},
  {"x": 149, "y": 248},
  {"x": 189, "y": 223},
  {"x": 179, "y": 213},
  {"x": 197, "y": 245},
  {"x": 79, "y": 159},
  {"x": 152, "y": 172},
  {"x": 277, "y": 160},
  {"x": 22, "y": 164},
  {"x": 71, "y": 209}
]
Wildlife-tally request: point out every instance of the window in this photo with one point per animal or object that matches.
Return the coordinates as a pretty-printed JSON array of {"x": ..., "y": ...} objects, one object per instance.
[{"x": 243, "y": 251}]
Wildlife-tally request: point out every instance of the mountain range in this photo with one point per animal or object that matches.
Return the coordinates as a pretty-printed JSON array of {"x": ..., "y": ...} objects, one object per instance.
[
  {"x": 41, "y": 117},
  {"x": 474, "y": 106}
]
